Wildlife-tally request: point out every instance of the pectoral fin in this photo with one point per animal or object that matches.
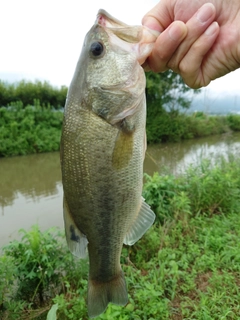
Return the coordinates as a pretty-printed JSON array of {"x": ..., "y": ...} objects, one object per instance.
[
  {"x": 123, "y": 150},
  {"x": 76, "y": 240},
  {"x": 141, "y": 224}
]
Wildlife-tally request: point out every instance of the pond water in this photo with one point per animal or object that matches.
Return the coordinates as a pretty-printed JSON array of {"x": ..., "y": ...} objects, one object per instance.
[{"x": 31, "y": 188}]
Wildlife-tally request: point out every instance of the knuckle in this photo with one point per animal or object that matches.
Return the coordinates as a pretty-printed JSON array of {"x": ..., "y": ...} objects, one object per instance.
[
  {"x": 173, "y": 65},
  {"x": 184, "y": 67}
]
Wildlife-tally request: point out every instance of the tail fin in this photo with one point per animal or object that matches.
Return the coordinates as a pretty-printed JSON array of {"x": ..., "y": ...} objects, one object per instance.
[{"x": 101, "y": 293}]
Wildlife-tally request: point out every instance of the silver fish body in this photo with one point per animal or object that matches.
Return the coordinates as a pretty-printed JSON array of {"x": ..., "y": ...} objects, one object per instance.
[{"x": 102, "y": 151}]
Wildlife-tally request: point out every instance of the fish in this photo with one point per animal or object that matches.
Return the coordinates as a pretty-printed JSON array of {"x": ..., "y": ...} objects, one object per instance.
[{"x": 103, "y": 145}]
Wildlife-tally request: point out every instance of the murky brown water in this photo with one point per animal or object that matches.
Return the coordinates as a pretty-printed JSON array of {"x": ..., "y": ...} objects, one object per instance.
[
  {"x": 30, "y": 193},
  {"x": 178, "y": 156},
  {"x": 31, "y": 189}
]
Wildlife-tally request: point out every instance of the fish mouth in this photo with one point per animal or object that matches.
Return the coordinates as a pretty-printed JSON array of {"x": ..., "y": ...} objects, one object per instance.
[
  {"x": 131, "y": 34},
  {"x": 106, "y": 20},
  {"x": 136, "y": 39}
]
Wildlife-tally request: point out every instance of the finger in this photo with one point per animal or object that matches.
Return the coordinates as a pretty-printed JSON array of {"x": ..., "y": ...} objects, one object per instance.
[
  {"x": 191, "y": 67},
  {"x": 165, "y": 45},
  {"x": 158, "y": 18},
  {"x": 196, "y": 27},
  {"x": 152, "y": 23}
]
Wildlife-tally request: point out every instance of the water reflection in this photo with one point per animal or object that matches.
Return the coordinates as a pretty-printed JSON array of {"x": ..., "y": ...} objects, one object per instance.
[
  {"x": 176, "y": 157},
  {"x": 30, "y": 192},
  {"x": 33, "y": 176},
  {"x": 31, "y": 189}
]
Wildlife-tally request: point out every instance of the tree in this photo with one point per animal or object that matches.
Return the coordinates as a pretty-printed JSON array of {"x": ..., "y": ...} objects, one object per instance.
[{"x": 166, "y": 95}]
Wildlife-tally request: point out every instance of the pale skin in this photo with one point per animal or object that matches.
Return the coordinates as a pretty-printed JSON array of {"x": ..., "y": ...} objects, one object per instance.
[{"x": 199, "y": 39}]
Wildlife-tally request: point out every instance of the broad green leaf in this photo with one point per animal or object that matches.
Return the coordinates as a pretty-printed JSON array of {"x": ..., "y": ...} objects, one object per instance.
[{"x": 52, "y": 313}]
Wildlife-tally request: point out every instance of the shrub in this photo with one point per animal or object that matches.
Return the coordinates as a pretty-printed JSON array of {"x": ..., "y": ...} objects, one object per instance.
[
  {"x": 38, "y": 268},
  {"x": 29, "y": 130},
  {"x": 173, "y": 126},
  {"x": 27, "y": 92},
  {"x": 234, "y": 122},
  {"x": 203, "y": 189},
  {"x": 7, "y": 271}
]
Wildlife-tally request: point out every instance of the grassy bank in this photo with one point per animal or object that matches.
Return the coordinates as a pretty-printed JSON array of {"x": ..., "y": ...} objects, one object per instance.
[
  {"x": 174, "y": 126},
  {"x": 187, "y": 266}
]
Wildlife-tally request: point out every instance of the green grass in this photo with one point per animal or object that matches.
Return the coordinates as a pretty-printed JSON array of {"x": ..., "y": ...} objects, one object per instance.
[
  {"x": 187, "y": 266},
  {"x": 195, "y": 270}
]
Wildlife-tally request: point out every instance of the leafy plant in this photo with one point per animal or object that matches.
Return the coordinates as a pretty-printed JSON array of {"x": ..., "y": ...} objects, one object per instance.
[
  {"x": 213, "y": 189},
  {"x": 203, "y": 189},
  {"x": 7, "y": 270},
  {"x": 38, "y": 268},
  {"x": 29, "y": 130},
  {"x": 163, "y": 194}
]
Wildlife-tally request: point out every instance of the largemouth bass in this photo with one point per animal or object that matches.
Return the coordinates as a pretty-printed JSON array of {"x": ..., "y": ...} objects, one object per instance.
[{"x": 102, "y": 151}]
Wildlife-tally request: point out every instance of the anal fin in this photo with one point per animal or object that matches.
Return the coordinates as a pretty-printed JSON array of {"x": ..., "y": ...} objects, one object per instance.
[
  {"x": 76, "y": 240},
  {"x": 140, "y": 225}
]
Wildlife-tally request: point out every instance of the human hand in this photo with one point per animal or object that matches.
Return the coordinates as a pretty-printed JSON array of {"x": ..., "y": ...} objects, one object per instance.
[{"x": 199, "y": 43}]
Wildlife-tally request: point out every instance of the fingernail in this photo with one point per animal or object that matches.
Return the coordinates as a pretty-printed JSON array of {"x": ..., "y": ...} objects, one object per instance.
[
  {"x": 211, "y": 29},
  {"x": 205, "y": 12}
]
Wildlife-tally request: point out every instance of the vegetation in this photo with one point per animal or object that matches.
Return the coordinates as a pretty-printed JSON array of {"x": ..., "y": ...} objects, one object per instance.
[
  {"x": 174, "y": 126},
  {"x": 27, "y": 92},
  {"x": 187, "y": 266},
  {"x": 167, "y": 100},
  {"x": 30, "y": 123},
  {"x": 167, "y": 90},
  {"x": 29, "y": 130},
  {"x": 34, "y": 129}
]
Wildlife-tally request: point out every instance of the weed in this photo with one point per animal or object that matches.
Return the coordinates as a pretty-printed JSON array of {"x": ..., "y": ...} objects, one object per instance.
[{"x": 7, "y": 271}]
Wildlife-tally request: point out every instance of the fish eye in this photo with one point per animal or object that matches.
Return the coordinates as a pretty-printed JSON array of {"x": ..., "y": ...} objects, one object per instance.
[{"x": 96, "y": 49}]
